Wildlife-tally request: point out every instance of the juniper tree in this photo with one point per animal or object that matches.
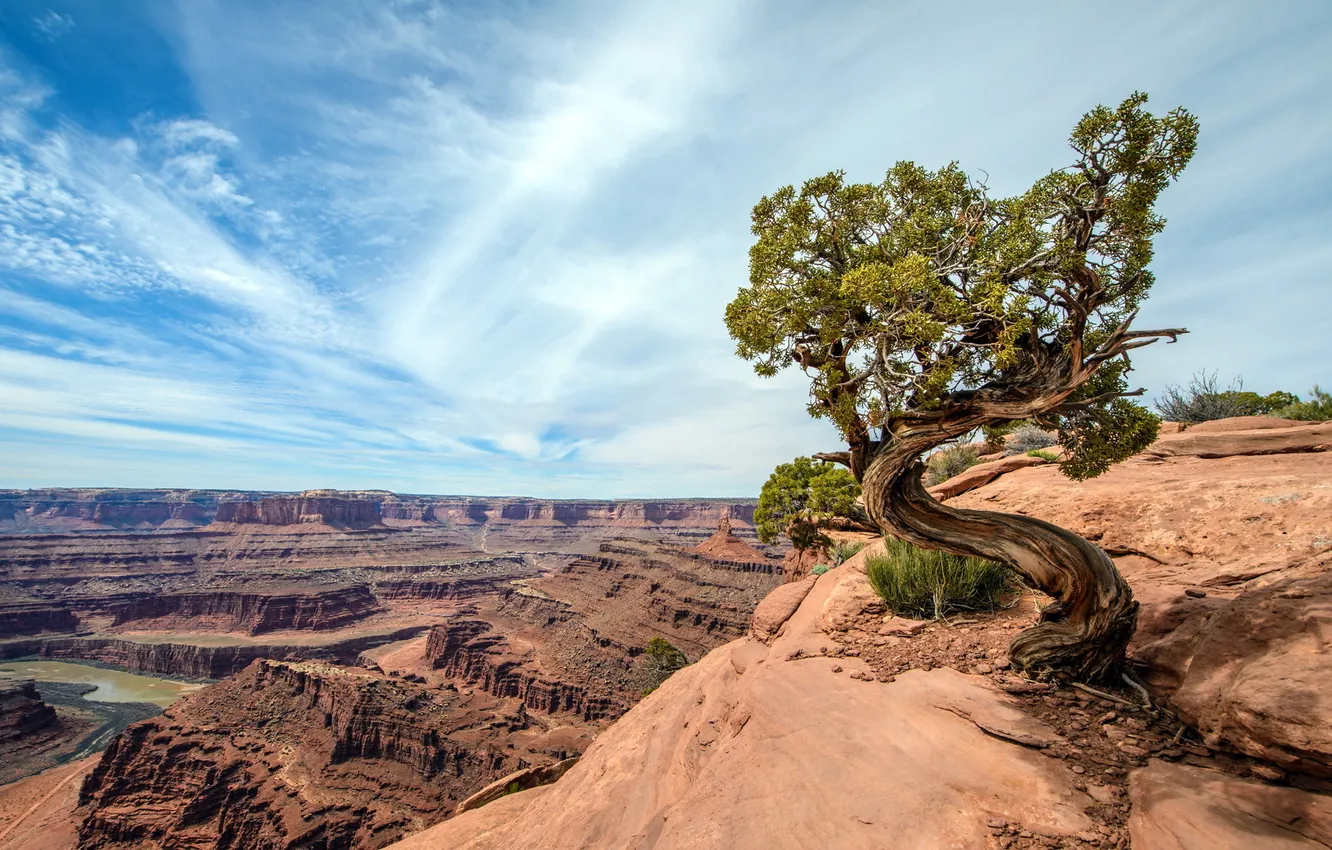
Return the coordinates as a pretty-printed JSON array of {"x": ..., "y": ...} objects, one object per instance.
[
  {"x": 922, "y": 308},
  {"x": 801, "y": 498}
]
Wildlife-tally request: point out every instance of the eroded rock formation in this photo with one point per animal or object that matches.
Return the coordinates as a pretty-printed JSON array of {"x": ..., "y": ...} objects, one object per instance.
[
  {"x": 306, "y": 508},
  {"x": 291, "y": 755},
  {"x": 35, "y": 617},
  {"x": 253, "y": 610},
  {"x": 22, "y": 712}
]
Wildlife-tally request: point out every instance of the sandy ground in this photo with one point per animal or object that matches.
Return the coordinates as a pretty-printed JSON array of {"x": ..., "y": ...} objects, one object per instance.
[{"x": 35, "y": 812}]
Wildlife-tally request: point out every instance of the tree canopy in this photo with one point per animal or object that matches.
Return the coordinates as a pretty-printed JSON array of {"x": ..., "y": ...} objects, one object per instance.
[
  {"x": 921, "y": 298},
  {"x": 800, "y": 498}
]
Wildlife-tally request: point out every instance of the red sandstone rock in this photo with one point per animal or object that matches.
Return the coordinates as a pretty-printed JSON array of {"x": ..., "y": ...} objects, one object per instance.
[
  {"x": 1187, "y": 808},
  {"x": 983, "y": 473},
  {"x": 1259, "y": 679},
  {"x": 776, "y": 608},
  {"x": 1220, "y": 441},
  {"x": 773, "y": 755},
  {"x": 727, "y": 547}
]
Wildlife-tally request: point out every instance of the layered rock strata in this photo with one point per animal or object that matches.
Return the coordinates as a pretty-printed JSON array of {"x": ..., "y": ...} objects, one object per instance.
[
  {"x": 22, "y": 711},
  {"x": 291, "y": 755},
  {"x": 305, "y": 508},
  {"x": 252, "y": 610},
  {"x": 470, "y": 651},
  {"x": 196, "y": 661},
  {"x": 35, "y": 617}
]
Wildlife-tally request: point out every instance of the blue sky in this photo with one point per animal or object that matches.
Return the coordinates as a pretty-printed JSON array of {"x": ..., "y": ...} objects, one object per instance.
[{"x": 485, "y": 248}]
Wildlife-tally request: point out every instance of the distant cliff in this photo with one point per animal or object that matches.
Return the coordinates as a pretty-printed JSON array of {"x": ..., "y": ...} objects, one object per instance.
[{"x": 59, "y": 510}]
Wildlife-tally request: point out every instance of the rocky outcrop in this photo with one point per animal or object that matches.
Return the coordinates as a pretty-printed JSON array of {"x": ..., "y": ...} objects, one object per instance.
[
  {"x": 765, "y": 747},
  {"x": 35, "y": 617},
  {"x": 469, "y": 651},
  {"x": 196, "y": 661},
  {"x": 22, "y": 712},
  {"x": 290, "y": 755},
  {"x": 1259, "y": 677},
  {"x": 306, "y": 508},
  {"x": 725, "y": 546},
  {"x": 1176, "y": 807},
  {"x": 253, "y": 610}
]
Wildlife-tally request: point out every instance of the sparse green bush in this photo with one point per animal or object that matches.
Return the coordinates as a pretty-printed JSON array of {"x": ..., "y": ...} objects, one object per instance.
[
  {"x": 659, "y": 661},
  {"x": 819, "y": 569},
  {"x": 949, "y": 461},
  {"x": 926, "y": 583},
  {"x": 1026, "y": 437},
  {"x": 1044, "y": 455},
  {"x": 844, "y": 551},
  {"x": 800, "y": 498},
  {"x": 1316, "y": 409},
  {"x": 1203, "y": 400}
]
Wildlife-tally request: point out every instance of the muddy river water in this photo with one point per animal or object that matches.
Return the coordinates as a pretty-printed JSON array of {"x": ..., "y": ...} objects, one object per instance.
[{"x": 112, "y": 685}]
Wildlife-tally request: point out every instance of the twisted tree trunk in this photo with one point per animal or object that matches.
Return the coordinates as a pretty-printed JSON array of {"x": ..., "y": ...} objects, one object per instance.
[{"x": 1083, "y": 635}]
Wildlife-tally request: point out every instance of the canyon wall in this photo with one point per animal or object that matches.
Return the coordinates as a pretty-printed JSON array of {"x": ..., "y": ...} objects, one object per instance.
[
  {"x": 22, "y": 711},
  {"x": 471, "y": 652},
  {"x": 191, "y": 660},
  {"x": 80, "y": 510},
  {"x": 305, "y": 508},
  {"x": 291, "y": 755},
  {"x": 251, "y": 610},
  {"x": 34, "y": 617}
]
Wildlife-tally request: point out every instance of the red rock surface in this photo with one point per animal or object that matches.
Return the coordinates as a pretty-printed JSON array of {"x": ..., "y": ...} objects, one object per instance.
[
  {"x": 766, "y": 746},
  {"x": 1184, "y": 808}
]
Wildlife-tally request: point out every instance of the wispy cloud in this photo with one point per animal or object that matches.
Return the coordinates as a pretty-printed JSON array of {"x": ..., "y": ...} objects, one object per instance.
[{"x": 486, "y": 248}]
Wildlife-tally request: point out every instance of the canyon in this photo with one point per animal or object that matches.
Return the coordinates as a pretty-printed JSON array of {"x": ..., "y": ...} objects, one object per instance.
[
  {"x": 483, "y": 687},
  {"x": 377, "y": 658}
]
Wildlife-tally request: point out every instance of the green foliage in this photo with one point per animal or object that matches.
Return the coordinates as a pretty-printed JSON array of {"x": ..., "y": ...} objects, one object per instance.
[
  {"x": 949, "y": 461},
  {"x": 925, "y": 583},
  {"x": 1043, "y": 455},
  {"x": 1317, "y": 409},
  {"x": 1203, "y": 400},
  {"x": 800, "y": 497},
  {"x": 921, "y": 293},
  {"x": 659, "y": 661},
  {"x": 819, "y": 569},
  {"x": 844, "y": 551}
]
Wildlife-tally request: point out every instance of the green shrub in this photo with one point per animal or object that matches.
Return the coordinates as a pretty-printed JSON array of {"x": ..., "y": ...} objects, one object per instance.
[
  {"x": 950, "y": 461},
  {"x": 844, "y": 551},
  {"x": 1053, "y": 457},
  {"x": 819, "y": 569},
  {"x": 1316, "y": 409},
  {"x": 659, "y": 661},
  {"x": 1203, "y": 400},
  {"x": 800, "y": 498},
  {"x": 925, "y": 583}
]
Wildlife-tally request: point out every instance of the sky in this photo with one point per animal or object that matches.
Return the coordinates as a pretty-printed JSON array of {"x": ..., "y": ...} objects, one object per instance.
[{"x": 485, "y": 247}]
